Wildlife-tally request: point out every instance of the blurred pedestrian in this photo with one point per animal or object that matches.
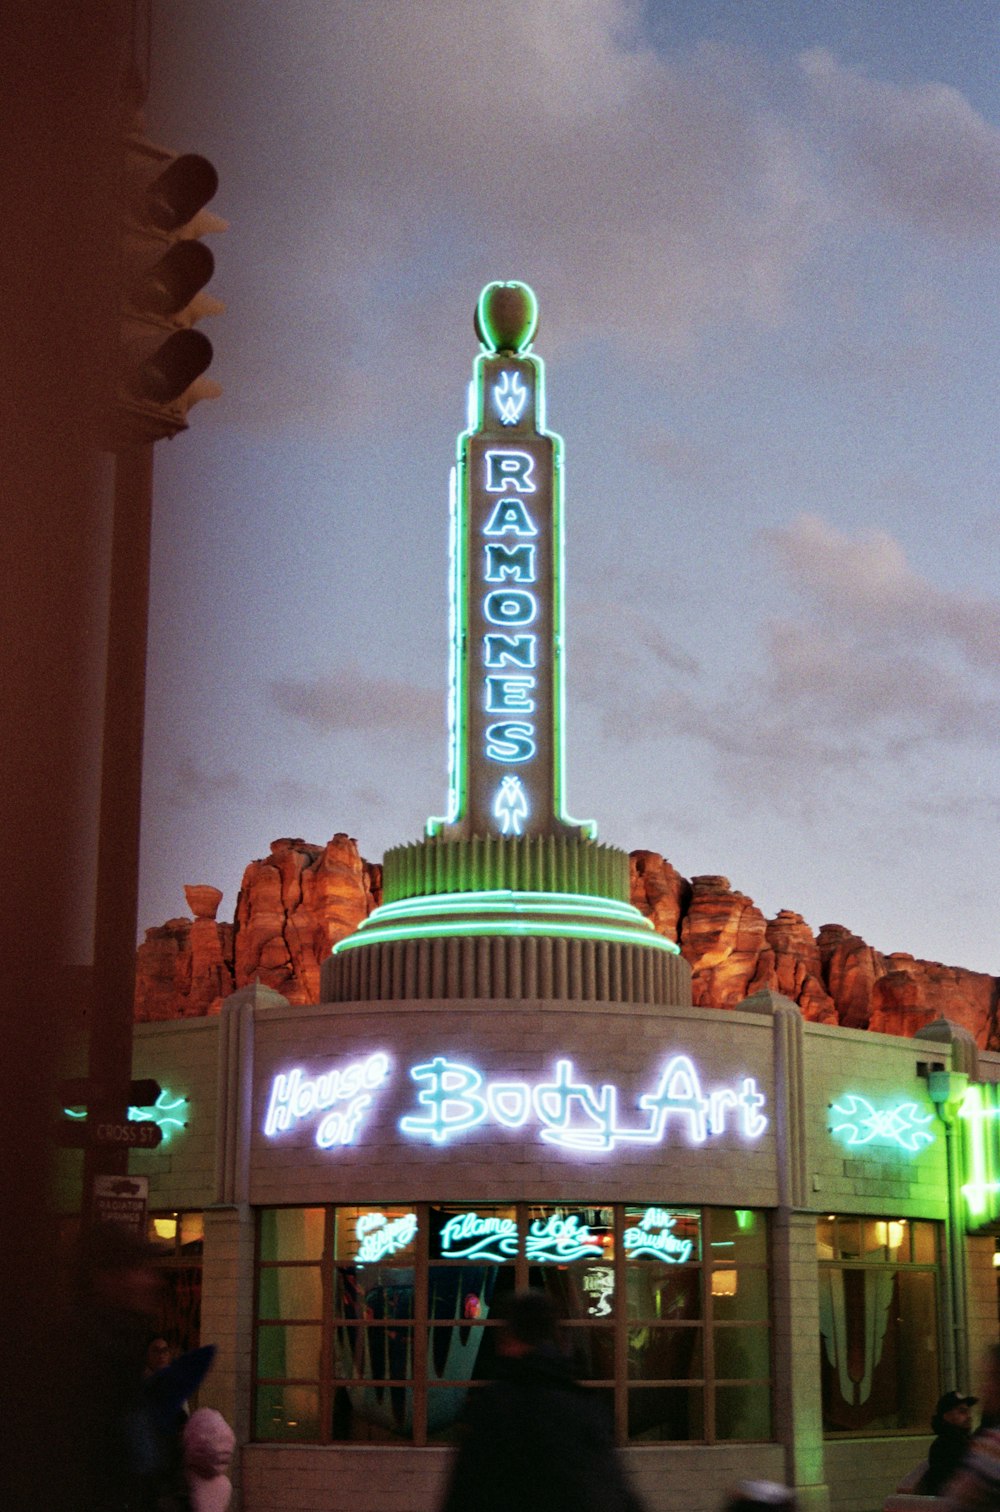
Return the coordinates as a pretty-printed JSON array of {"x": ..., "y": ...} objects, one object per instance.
[
  {"x": 952, "y": 1422},
  {"x": 534, "y": 1439},
  {"x": 975, "y": 1486},
  {"x": 208, "y": 1448}
]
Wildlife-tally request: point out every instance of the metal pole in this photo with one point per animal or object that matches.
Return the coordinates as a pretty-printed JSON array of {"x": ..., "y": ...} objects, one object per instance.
[{"x": 117, "y": 901}]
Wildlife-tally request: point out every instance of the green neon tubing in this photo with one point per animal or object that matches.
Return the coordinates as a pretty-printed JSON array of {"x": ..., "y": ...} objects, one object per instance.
[
  {"x": 506, "y": 901},
  {"x": 519, "y": 926},
  {"x": 459, "y": 652}
]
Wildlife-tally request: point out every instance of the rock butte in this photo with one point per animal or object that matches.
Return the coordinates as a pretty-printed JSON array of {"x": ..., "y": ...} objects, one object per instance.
[{"x": 297, "y": 902}]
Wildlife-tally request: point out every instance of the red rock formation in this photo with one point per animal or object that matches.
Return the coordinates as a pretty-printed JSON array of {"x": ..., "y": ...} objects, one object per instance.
[
  {"x": 798, "y": 967},
  {"x": 291, "y": 910},
  {"x": 850, "y": 968},
  {"x": 724, "y": 939},
  {"x": 295, "y": 904},
  {"x": 913, "y": 993},
  {"x": 659, "y": 891}
]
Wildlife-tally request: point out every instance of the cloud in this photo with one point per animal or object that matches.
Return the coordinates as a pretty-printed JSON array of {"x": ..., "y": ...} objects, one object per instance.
[
  {"x": 869, "y": 669},
  {"x": 351, "y": 700},
  {"x": 190, "y": 785},
  {"x": 922, "y": 154}
]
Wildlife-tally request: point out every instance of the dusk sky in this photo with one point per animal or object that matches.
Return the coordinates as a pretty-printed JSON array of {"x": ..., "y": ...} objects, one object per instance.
[{"x": 765, "y": 241}]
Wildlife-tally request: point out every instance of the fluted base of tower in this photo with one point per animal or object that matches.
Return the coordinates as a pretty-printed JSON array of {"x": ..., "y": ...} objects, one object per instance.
[{"x": 527, "y": 967}]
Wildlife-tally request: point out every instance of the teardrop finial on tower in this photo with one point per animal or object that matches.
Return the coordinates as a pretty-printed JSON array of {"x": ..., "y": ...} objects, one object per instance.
[{"x": 506, "y": 317}]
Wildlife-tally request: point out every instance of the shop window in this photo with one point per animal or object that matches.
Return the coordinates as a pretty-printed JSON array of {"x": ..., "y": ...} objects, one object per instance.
[
  {"x": 177, "y": 1240},
  {"x": 374, "y": 1323},
  {"x": 878, "y": 1282}
]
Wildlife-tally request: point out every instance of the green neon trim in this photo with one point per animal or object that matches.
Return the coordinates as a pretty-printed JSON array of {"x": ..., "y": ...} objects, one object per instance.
[
  {"x": 744, "y": 1218},
  {"x": 588, "y": 826},
  {"x": 980, "y": 1167},
  {"x": 486, "y": 330},
  {"x": 505, "y": 901},
  {"x": 516, "y": 926},
  {"x": 458, "y": 660}
]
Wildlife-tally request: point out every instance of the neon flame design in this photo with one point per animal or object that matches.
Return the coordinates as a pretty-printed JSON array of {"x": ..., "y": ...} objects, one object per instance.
[
  {"x": 861, "y": 1122},
  {"x": 510, "y": 806},
  {"x": 510, "y": 396}
]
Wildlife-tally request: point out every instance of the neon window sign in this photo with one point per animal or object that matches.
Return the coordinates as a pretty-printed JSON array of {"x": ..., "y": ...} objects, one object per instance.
[
  {"x": 343, "y": 1095},
  {"x": 654, "y": 1238},
  {"x": 475, "y": 1236},
  {"x": 858, "y": 1122},
  {"x": 379, "y": 1236}
]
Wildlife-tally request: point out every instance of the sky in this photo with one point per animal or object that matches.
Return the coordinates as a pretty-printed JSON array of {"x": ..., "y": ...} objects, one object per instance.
[{"x": 765, "y": 242}]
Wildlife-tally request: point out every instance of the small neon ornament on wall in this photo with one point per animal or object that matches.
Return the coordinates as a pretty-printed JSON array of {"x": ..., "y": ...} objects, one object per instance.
[{"x": 858, "y": 1122}]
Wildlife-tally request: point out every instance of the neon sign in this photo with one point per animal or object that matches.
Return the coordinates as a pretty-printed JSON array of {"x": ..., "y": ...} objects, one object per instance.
[
  {"x": 575, "y": 1115},
  {"x": 653, "y": 1237},
  {"x": 162, "y": 1113},
  {"x": 468, "y": 1236},
  {"x": 560, "y": 1240},
  {"x": 510, "y": 396},
  {"x": 506, "y": 662},
  {"x": 510, "y": 805},
  {"x": 295, "y": 1096},
  {"x": 978, "y": 1114},
  {"x": 861, "y": 1123},
  {"x": 453, "y": 1097},
  {"x": 381, "y": 1236}
]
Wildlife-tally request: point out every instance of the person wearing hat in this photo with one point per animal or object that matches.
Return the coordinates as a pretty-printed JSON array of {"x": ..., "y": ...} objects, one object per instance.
[{"x": 952, "y": 1422}]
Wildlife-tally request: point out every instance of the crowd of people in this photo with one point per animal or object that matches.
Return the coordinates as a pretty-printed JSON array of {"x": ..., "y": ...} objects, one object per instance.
[{"x": 533, "y": 1439}]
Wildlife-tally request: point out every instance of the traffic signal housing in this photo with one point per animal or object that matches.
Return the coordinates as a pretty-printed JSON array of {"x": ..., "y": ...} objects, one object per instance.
[{"x": 164, "y": 267}]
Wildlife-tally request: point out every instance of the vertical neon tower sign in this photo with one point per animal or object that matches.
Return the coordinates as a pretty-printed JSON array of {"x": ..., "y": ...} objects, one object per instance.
[{"x": 506, "y": 682}]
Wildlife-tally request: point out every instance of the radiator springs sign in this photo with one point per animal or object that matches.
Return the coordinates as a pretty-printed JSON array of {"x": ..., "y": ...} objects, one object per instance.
[{"x": 440, "y": 1100}]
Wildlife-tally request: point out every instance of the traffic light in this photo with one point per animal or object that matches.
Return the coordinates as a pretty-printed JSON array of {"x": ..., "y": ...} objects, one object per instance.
[{"x": 164, "y": 268}]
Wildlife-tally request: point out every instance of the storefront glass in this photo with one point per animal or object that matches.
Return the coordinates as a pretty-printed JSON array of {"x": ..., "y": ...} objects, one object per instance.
[
  {"x": 375, "y": 1322},
  {"x": 878, "y": 1324}
]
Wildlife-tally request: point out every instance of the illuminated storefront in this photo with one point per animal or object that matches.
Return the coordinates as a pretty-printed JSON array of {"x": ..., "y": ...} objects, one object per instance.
[{"x": 757, "y": 1230}]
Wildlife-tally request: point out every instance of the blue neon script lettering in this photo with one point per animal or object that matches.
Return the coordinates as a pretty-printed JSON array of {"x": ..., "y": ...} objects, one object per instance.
[
  {"x": 511, "y": 607},
  {"x": 342, "y": 1094},
  {"x": 654, "y": 1236},
  {"x": 381, "y": 1236},
  {"x": 561, "y": 1239},
  {"x": 468, "y": 1236},
  {"x": 456, "y": 1097}
]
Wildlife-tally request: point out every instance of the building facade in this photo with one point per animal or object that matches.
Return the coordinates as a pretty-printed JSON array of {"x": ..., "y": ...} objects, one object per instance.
[{"x": 769, "y": 1239}]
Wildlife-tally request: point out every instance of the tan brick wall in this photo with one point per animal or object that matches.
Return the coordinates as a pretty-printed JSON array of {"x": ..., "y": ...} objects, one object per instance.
[
  {"x": 285, "y": 1478},
  {"x": 182, "y": 1056}
]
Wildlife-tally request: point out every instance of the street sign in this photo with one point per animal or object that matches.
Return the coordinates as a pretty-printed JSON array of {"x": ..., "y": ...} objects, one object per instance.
[
  {"x": 122, "y": 1134},
  {"x": 122, "y": 1200}
]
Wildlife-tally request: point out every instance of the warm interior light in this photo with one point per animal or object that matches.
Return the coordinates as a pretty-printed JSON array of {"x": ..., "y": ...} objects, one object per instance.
[
  {"x": 996, "y": 1260},
  {"x": 165, "y": 1228},
  {"x": 890, "y": 1234},
  {"x": 724, "y": 1283}
]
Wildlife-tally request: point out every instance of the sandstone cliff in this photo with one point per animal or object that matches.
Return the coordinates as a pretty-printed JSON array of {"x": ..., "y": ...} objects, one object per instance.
[{"x": 296, "y": 903}]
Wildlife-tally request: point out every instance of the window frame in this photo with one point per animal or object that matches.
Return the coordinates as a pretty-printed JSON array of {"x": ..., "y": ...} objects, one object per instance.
[{"x": 619, "y": 1324}]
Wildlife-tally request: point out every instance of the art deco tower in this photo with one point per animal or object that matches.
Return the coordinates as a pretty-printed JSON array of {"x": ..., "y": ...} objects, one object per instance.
[{"x": 507, "y": 896}]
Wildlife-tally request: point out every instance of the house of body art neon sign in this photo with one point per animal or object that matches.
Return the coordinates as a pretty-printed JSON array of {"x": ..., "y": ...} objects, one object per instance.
[{"x": 453, "y": 1097}]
